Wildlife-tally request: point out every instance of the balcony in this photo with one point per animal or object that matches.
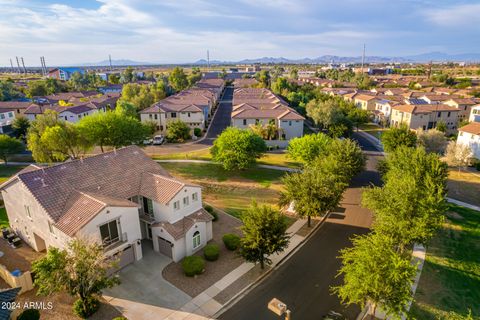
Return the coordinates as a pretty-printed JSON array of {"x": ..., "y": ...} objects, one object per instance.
[{"x": 112, "y": 244}]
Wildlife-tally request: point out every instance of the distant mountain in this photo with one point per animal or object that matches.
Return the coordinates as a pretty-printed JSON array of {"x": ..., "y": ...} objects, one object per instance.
[
  {"x": 120, "y": 62},
  {"x": 442, "y": 57}
]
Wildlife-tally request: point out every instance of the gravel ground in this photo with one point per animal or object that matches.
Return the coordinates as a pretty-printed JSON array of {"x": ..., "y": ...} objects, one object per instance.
[
  {"x": 239, "y": 284},
  {"x": 215, "y": 270}
]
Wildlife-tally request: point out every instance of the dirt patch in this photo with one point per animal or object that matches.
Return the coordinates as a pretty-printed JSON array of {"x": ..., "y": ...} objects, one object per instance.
[
  {"x": 215, "y": 270},
  {"x": 305, "y": 229},
  {"x": 20, "y": 258},
  {"x": 241, "y": 283}
]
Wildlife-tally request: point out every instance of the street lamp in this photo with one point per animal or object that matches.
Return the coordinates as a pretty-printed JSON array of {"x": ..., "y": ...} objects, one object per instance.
[{"x": 279, "y": 308}]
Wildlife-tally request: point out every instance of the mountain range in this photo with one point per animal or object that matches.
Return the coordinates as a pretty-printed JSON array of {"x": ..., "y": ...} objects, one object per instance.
[{"x": 425, "y": 57}]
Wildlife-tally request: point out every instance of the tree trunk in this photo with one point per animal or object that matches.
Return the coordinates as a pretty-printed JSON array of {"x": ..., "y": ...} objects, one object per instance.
[
  {"x": 262, "y": 263},
  {"x": 374, "y": 309},
  {"x": 309, "y": 221},
  {"x": 101, "y": 148}
]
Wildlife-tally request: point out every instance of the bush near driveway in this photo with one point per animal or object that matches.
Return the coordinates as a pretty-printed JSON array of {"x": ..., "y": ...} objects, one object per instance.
[
  {"x": 211, "y": 252},
  {"x": 231, "y": 241},
  {"x": 193, "y": 265},
  {"x": 211, "y": 211},
  {"x": 29, "y": 314}
]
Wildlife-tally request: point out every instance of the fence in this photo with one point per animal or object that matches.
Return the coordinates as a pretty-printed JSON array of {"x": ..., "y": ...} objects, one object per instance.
[{"x": 24, "y": 280}]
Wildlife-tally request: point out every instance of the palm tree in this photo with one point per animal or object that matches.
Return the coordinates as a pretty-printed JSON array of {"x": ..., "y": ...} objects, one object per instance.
[{"x": 259, "y": 129}]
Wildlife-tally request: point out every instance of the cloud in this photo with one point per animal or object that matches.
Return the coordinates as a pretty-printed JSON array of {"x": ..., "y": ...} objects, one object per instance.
[{"x": 455, "y": 16}]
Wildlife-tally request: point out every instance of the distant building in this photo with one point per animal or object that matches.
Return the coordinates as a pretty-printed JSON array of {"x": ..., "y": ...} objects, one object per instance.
[
  {"x": 64, "y": 73},
  {"x": 424, "y": 116},
  {"x": 470, "y": 135},
  {"x": 475, "y": 114}
]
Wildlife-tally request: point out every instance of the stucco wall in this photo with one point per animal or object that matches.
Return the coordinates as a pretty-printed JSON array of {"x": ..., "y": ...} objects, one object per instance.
[
  {"x": 471, "y": 140},
  {"x": 167, "y": 213},
  {"x": 291, "y": 128}
]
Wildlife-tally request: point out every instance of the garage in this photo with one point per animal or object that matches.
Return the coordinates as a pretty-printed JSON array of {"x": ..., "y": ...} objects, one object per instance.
[
  {"x": 165, "y": 247},
  {"x": 126, "y": 256}
]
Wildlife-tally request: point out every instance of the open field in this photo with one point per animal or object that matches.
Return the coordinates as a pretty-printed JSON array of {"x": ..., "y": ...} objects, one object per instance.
[
  {"x": 464, "y": 186},
  {"x": 231, "y": 192},
  {"x": 450, "y": 283}
]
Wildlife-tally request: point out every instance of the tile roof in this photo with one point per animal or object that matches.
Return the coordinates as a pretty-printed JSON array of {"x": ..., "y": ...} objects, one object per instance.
[
  {"x": 7, "y": 295},
  {"x": 424, "y": 108},
  {"x": 178, "y": 229},
  {"x": 472, "y": 127},
  {"x": 69, "y": 189}
]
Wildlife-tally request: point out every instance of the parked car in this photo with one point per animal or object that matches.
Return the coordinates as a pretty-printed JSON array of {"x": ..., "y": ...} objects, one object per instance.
[{"x": 158, "y": 140}]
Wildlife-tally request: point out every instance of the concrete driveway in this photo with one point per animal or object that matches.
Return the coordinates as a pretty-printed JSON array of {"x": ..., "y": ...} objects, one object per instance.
[{"x": 143, "y": 293}]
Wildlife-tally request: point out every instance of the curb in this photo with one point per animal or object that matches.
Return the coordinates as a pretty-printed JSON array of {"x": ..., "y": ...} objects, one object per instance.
[{"x": 257, "y": 281}]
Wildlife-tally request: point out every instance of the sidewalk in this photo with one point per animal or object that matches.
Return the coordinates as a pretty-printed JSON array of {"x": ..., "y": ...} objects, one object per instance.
[{"x": 205, "y": 305}]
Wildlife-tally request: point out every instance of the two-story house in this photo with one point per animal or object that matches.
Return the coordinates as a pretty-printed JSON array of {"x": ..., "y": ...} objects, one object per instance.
[
  {"x": 424, "y": 116},
  {"x": 117, "y": 199},
  {"x": 464, "y": 105},
  {"x": 469, "y": 135},
  {"x": 475, "y": 114}
]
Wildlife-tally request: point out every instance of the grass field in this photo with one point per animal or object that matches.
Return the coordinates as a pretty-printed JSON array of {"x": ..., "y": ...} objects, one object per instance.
[
  {"x": 372, "y": 129},
  {"x": 450, "y": 282},
  {"x": 3, "y": 218},
  {"x": 7, "y": 171},
  {"x": 464, "y": 186},
  {"x": 231, "y": 191}
]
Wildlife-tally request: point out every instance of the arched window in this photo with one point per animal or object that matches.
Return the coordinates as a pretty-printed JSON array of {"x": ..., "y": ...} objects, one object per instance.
[{"x": 196, "y": 239}]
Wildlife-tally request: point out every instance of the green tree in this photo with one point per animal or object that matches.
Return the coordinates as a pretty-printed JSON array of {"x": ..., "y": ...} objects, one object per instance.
[
  {"x": 114, "y": 78},
  {"x": 81, "y": 271},
  {"x": 237, "y": 149},
  {"x": 265, "y": 233},
  {"x": 349, "y": 157},
  {"x": 373, "y": 272},
  {"x": 40, "y": 152},
  {"x": 178, "y": 131},
  {"x": 65, "y": 140},
  {"x": 223, "y": 74},
  {"x": 126, "y": 108},
  {"x": 441, "y": 126},
  {"x": 363, "y": 81},
  {"x": 20, "y": 127},
  {"x": 294, "y": 73},
  {"x": 36, "y": 88},
  {"x": 128, "y": 75},
  {"x": 395, "y": 137},
  {"x": 8, "y": 90},
  {"x": 178, "y": 79},
  {"x": 280, "y": 85},
  {"x": 9, "y": 146},
  {"x": 314, "y": 192},
  {"x": 113, "y": 129},
  {"x": 305, "y": 149},
  {"x": 358, "y": 116},
  {"x": 263, "y": 77},
  {"x": 79, "y": 81}
]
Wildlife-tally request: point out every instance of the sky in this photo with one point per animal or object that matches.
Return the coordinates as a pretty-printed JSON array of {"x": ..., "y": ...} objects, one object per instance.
[{"x": 181, "y": 31}]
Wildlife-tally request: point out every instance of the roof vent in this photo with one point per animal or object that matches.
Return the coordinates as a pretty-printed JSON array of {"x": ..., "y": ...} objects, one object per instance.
[
  {"x": 43, "y": 183},
  {"x": 63, "y": 167},
  {"x": 98, "y": 188},
  {"x": 106, "y": 156},
  {"x": 135, "y": 152}
]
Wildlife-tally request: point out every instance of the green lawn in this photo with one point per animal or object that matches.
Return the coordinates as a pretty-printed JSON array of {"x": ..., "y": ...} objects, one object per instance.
[
  {"x": 7, "y": 171},
  {"x": 3, "y": 218},
  {"x": 231, "y": 191},
  {"x": 372, "y": 129},
  {"x": 464, "y": 186},
  {"x": 450, "y": 282}
]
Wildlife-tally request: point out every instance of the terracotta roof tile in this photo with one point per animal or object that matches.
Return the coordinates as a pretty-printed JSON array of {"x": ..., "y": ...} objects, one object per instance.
[{"x": 472, "y": 127}]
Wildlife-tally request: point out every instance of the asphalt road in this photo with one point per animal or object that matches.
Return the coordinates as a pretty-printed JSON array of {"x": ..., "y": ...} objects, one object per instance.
[
  {"x": 303, "y": 282},
  {"x": 222, "y": 117}
]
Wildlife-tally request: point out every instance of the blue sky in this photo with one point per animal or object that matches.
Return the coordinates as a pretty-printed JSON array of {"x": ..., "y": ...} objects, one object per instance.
[{"x": 176, "y": 31}]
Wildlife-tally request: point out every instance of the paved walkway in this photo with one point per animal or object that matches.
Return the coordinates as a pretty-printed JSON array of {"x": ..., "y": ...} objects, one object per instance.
[{"x": 204, "y": 306}]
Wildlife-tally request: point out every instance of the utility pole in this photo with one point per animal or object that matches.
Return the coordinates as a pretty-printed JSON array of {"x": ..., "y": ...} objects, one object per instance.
[
  {"x": 363, "y": 57},
  {"x": 18, "y": 65},
  {"x": 208, "y": 60},
  {"x": 110, "y": 60},
  {"x": 11, "y": 64},
  {"x": 23, "y": 64}
]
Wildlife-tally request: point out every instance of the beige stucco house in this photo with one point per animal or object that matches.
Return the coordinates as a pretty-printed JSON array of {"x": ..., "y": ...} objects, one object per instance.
[
  {"x": 118, "y": 199},
  {"x": 424, "y": 116}
]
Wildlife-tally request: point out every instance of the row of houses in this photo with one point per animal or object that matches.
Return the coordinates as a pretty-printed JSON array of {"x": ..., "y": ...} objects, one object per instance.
[
  {"x": 252, "y": 106},
  {"x": 71, "y": 106},
  {"x": 193, "y": 106}
]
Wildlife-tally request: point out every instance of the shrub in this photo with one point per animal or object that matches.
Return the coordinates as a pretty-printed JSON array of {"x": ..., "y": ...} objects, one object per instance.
[
  {"x": 29, "y": 314},
  {"x": 211, "y": 211},
  {"x": 477, "y": 165},
  {"x": 231, "y": 241},
  {"x": 193, "y": 265},
  {"x": 119, "y": 318},
  {"x": 197, "y": 132},
  {"x": 85, "y": 310},
  {"x": 211, "y": 252}
]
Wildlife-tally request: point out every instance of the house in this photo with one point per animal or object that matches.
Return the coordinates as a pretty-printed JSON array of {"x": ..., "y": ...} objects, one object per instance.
[
  {"x": 462, "y": 104},
  {"x": 7, "y": 299},
  {"x": 6, "y": 119},
  {"x": 118, "y": 199},
  {"x": 252, "y": 106},
  {"x": 364, "y": 101},
  {"x": 435, "y": 98},
  {"x": 383, "y": 109},
  {"x": 470, "y": 135},
  {"x": 424, "y": 116},
  {"x": 163, "y": 112},
  {"x": 475, "y": 114},
  {"x": 19, "y": 107},
  {"x": 64, "y": 73},
  {"x": 111, "y": 88}
]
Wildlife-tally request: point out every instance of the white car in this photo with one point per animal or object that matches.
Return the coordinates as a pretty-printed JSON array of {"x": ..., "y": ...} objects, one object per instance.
[{"x": 158, "y": 140}]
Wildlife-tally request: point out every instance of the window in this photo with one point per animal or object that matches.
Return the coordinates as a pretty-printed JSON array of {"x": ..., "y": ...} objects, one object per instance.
[
  {"x": 289, "y": 123},
  {"x": 50, "y": 227},
  {"x": 196, "y": 239},
  {"x": 27, "y": 210},
  {"x": 185, "y": 201},
  {"x": 109, "y": 232},
  {"x": 176, "y": 205},
  {"x": 10, "y": 114},
  {"x": 2, "y": 116},
  {"x": 173, "y": 114},
  {"x": 244, "y": 122},
  {"x": 448, "y": 114},
  {"x": 156, "y": 117},
  {"x": 439, "y": 114},
  {"x": 188, "y": 114},
  {"x": 150, "y": 116},
  {"x": 195, "y": 196},
  {"x": 66, "y": 118}
]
